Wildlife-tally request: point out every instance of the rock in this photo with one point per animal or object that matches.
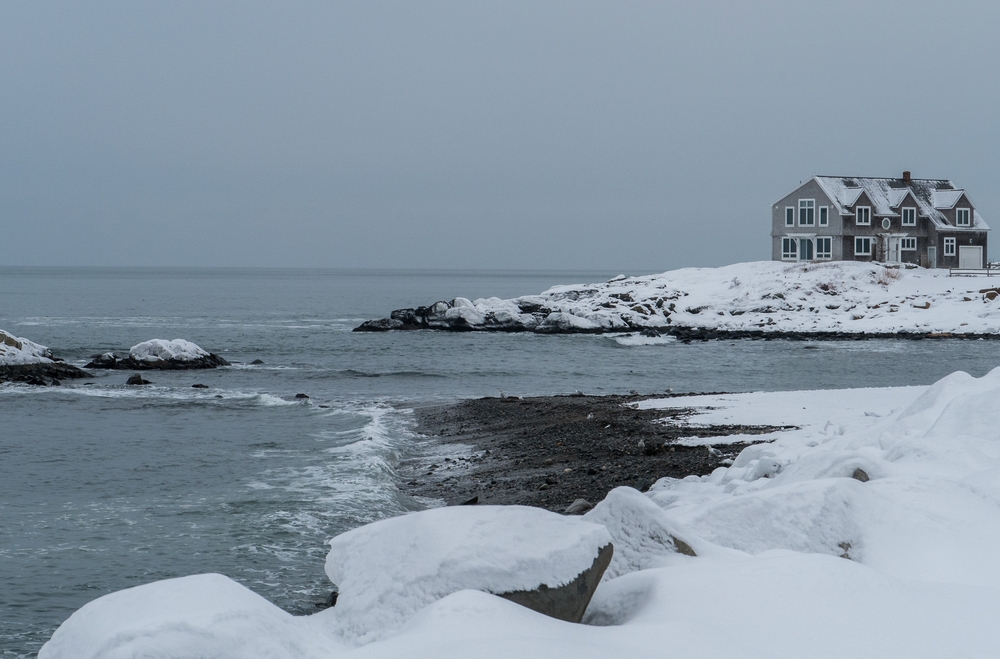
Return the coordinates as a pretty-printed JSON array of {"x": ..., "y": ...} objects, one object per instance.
[
  {"x": 380, "y": 325},
  {"x": 567, "y": 602},
  {"x": 578, "y": 507},
  {"x": 137, "y": 380},
  {"x": 257, "y": 362},
  {"x": 471, "y": 502},
  {"x": 199, "y": 386},
  {"x": 107, "y": 360},
  {"x": 650, "y": 332},
  {"x": 860, "y": 475},
  {"x": 301, "y": 396},
  {"x": 44, "y": 375}
]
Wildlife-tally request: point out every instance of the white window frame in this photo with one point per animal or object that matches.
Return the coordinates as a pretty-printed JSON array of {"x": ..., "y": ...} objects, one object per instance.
[
  {"x": 860, "y": 240},
  {"x": 824, "y": 216},
  {"x": 823, "y": 254},
  {"x": 949, "y": 247},
  {"x": 912, "y": 213},
  {"x": 907, "y": 240},
  {"x": 807, "y": 205},
  {"x": 787, "y": 254},
  {"x": 789, "y": 216},
  {"x": 963, "y": 212},
  {"x": 867, "y": 213}
]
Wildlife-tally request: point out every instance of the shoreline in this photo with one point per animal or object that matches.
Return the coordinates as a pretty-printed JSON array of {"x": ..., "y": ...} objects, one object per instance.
[{"x": 549, "y": 451}]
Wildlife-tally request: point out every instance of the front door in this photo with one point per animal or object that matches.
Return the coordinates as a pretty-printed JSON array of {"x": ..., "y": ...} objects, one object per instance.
[
  {"x": 892, "y": 250},
  {"x": 805, "y": 249},
  {"x": 931, "y": 256},
  {"x": 970, "y": 256}
]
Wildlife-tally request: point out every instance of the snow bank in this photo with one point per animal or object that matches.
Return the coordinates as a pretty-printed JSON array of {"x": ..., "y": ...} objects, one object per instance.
[
  {"x": 870, "y": 530},
  {"x": 15, "y": 351},
  {"x": 178, "y": 349},
  {"x": 389, "y": 570},
  {"x": 761, "y": 297}
]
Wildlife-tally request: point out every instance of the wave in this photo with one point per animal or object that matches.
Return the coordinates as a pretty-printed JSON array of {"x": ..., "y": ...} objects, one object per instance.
[{"x": 631, "y": 340}]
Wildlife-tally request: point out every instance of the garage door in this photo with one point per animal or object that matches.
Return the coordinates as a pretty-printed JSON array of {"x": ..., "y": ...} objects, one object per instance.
[{"x": 970, "y": 256}]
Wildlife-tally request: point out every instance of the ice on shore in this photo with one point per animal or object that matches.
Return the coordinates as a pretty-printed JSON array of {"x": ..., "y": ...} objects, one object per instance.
[
  {"x": 870, "y": 530},
  {"x": 178, "y": 349},
  {"x": 15, "y": 351}
]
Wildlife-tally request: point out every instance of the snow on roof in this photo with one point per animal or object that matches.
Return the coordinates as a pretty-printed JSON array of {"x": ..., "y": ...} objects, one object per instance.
[
  {"x": 945, "y": 199},
  {"x": 931, "y": 195}
]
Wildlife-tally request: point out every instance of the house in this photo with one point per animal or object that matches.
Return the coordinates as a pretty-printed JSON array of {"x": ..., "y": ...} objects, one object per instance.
[{"x": 928, "y": 222}]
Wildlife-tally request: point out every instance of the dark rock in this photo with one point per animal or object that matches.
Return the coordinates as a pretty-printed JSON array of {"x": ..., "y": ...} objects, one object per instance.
[
  {"x": 199, "y": 386},
  {"x": 137, "y": 380},
  {"x": 860, "y": 475},
  {"x": 471, "y": 502},
  {"x": 330, "y": 601},
  {"x": 301, "y": 396},
  {"x": 107, "y": 360},
  {"x": 650, "y": 332},
  {"x": 578, "y": 507},
  {"x": 257, "y": 362},
  {"x": 568, "y": 602},
  {"x": 380, "y": 325},
  {"x": 47, "y": 374}
]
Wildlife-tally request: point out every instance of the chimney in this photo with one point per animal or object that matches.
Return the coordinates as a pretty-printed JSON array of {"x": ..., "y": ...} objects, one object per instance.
[{"x": 906, "y": 178}]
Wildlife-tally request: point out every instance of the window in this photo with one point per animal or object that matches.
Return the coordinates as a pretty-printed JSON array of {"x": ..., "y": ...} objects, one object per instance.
[
  {"x": 789, "y": 248},
  {"x": 863, "y": 214},
  {"x": 962, "y": 217},
  {"x": 807, "y": 207},
  {"x": 862, "y": 246},
  {"x": 908, "y": 244},
  {"x": 909, "y": 217},
  {"x": 824, "y": 247},
  {"x": 789, "y": 216},
  {"x": 949, "y": 247},
  {"x": 824, "y": 216}
]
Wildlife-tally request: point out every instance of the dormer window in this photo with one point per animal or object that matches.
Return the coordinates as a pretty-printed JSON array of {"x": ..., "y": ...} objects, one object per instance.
[
  {"x": 909, "y": 217},
  {"x": 962, "y": 217},
  {"x": 863, "y": 215},
  {"x": 807, "y": 210}
]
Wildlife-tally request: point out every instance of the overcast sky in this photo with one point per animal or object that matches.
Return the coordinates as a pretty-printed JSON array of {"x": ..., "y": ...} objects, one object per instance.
[{"x": 631, "y": 136}]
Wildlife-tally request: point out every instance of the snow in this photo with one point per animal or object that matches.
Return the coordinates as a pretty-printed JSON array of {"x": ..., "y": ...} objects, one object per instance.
[
  {"x": 17, "y": 351},
  {"x": 178, "y": 349},
  {"x": 389, "y": 570},
  {"x": 794, "y": 556},
  {"x": 763, "y": 296}
]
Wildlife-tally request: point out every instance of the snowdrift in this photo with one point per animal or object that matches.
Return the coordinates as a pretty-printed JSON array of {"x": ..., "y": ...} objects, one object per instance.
[
  {"x": 760, "y": 299},
  {"x": 15, "y": 350},
  {"x": 870, "y": 531}
]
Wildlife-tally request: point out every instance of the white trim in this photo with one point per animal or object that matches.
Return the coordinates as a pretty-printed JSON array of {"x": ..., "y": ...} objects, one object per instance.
[
  {"x": 903, "y": 212},
  {"x": 949, "y": 242},
  {"x": 824, "y": 216},
  {"x": 867, "y": 213},
  {"x": 789, "y": 215},
  {"x": 907, "y": 240},
  {"x": 870, "y": 244},
  {"x": 827, "y": 254},
  {"x": 812, "y": 207},
  {"x": 788, "y": 255},
  {"x": 968, "y": 217},
  {"x": 886, "y": 223}
]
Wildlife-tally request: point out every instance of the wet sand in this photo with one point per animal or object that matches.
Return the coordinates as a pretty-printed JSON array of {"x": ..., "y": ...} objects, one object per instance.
[{"x": 549, "y": 451}]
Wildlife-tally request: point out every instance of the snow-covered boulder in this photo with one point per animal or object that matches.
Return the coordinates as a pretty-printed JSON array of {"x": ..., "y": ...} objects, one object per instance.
[
  {"x": 206, "y": 615},
  {"x": 161, "y": 354},
  {"x": 28, "y": 362},
  {"x": 389, "y": 570}
]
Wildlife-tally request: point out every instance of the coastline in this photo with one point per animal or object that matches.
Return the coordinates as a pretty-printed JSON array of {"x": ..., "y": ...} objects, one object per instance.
[{"x": 549, "y": 451}]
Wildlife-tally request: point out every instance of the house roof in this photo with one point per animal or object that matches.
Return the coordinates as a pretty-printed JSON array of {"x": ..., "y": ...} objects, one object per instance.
[{"x": 886, "y": 194}]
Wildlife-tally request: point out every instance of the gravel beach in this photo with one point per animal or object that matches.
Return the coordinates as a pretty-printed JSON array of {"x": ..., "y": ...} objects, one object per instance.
[{"x": 550, "y": 451}]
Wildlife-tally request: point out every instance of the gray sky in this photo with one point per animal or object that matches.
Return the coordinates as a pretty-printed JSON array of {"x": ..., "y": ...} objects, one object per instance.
[{"x": 631, "y": 136}]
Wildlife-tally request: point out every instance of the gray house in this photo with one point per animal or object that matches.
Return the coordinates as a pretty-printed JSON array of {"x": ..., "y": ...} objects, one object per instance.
[{"x": 928, "y": 222}]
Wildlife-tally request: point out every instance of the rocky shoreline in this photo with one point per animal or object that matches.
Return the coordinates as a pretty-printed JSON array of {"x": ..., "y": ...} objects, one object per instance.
[
  {"x": 551, "y": 451},
  {"x": 45, "y": 374}
]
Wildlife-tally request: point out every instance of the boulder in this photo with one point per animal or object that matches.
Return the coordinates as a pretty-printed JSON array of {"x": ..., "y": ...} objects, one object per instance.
[
  {"x": 578, "y": 507},
  {"x": 107, "y": 360},
  {"x": 137, "y": 380},
  {"x": 160, "y": 354}
]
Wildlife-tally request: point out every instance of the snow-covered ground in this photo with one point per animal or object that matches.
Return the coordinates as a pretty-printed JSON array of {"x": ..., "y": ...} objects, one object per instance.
[
  {"x": 869, "y": 531},
  {"x": 15, "y": 351},
  {"x": 763, "y": 296}
]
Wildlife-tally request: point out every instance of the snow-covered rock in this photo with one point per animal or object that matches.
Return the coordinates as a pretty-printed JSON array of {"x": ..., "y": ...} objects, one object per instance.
[
  {"x": 794, "y": 556},
  {"x": 28, "y": 362},
  {"x": 389, "y": 570},
  {"x": 161, "y": 354},
  {"x": 764, "y": 298}
]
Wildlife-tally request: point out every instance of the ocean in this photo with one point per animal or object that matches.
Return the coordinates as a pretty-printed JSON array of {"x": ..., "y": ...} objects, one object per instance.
[{"x": 104, "y": 486}]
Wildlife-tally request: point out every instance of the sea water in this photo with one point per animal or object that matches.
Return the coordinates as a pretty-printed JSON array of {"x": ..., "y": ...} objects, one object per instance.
[{"x": 105, "y": 486}]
